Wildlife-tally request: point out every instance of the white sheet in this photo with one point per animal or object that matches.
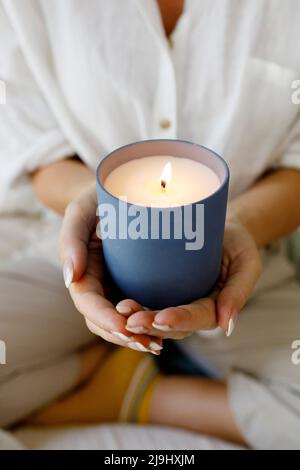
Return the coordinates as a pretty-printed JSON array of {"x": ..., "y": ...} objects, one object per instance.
[{"x": 117, "y": 437}]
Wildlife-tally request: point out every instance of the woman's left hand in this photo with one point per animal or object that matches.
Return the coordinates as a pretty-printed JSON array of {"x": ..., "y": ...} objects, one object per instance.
[{"x": 241, "y": 268}]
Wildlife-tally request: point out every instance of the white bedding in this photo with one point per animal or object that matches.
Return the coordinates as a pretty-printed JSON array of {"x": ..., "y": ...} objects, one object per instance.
[{"x": 116, "y": 437}]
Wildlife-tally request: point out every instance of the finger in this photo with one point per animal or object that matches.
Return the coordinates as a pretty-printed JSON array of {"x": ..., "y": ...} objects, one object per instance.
[
  {"x": 199, "y": 315},
  {"x": 88, "y": 298},
  {"x": 145, "y": 344},
  {"x": 78, "y": 224},
  {"x": 242, "y": 277},
  {"x": 128, "y": 307},
  {"x": 87, "y": 295},
  {"x": 142, "y": 323}
]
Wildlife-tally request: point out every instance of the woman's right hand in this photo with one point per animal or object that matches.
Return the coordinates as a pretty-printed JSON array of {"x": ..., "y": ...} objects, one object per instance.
[{"x": 83, "y": 266}]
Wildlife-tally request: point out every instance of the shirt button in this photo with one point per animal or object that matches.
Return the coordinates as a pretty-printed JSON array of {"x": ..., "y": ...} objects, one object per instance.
[{"x": 165, "y": 124}]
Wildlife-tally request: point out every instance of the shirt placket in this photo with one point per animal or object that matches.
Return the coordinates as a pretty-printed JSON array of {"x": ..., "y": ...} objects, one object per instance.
[{"x": 164, "y": 114}]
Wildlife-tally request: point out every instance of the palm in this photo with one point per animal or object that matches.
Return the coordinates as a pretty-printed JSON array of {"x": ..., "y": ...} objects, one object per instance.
[
  {"x": 239, "y": 273},
  {"x": 240, "y": 270},
  {"x": 91, "y": 289}
]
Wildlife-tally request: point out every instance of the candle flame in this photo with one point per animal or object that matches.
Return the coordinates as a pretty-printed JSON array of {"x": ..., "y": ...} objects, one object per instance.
[{"x": 166, "y": 175}]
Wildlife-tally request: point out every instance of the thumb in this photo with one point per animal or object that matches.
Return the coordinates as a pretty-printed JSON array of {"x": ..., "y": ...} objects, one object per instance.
[
  {"x": 242, "y": 277},
  {"x": 78, "y": 225}
]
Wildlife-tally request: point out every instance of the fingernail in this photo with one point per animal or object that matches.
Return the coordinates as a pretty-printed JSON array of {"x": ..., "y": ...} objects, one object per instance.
[
  {"x": 136, "y": 329},
  {"x": 231, "y": 325},
  {"x": 139, "y": 347},
  {"x": 121, "y": 336},
  {"x": 123, "y": 309},
  {"x": 155, "y": 346},
  {"x": 162, "y": 327},
  {"x": 68, "y": 272}
]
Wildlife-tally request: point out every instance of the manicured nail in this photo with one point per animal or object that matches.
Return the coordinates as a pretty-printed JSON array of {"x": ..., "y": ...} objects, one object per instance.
[
  {"x": 162, "y": 327},
  {"x": 121, "y": 336},
  {"x": 231, "y": 325},
  {"x": 123, "y": 309},
  {"x": 155, "y": 346},
  {"x": 136, "y": 329},
  {"x": 68, "y": 272},
  {"x": 138, "y": 347}
]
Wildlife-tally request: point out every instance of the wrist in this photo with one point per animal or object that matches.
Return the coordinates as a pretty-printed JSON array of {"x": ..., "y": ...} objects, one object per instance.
[
  {"x": 232, "y": 216},
  {"x": 86, "y": 184},
  {"x": 83, "y": 179},
  {"x": 59, "y": 183},
  {"x": 237, "y": 216}
]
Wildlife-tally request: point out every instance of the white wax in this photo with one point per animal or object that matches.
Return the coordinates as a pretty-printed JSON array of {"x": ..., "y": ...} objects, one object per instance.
[{"x": 139, "y": 181}]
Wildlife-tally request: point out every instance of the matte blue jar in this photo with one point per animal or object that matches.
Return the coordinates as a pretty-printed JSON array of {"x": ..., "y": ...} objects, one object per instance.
[{"x": 159, "y": 272}]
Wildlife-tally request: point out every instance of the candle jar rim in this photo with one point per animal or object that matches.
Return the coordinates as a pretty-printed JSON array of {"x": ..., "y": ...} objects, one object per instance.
[{"x": 174, "y": 141}]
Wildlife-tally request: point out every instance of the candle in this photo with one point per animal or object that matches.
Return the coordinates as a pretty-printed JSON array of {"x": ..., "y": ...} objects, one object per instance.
[
  {"x": 166, "y": 201},
  {"x": 162, "y": 181}
]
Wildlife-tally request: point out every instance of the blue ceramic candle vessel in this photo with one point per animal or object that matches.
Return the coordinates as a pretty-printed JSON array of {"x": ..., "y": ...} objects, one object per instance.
[{"x": 154, "y": 270}]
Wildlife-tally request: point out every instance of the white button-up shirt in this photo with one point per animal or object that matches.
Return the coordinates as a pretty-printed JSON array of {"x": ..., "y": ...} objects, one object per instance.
[{"x": 86, "y": 77}]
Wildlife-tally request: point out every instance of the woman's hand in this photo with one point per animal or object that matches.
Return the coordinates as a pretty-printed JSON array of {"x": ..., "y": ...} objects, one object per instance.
[
  {"x": 241, "y": 268},
  {"x": 81, "y": 253}
]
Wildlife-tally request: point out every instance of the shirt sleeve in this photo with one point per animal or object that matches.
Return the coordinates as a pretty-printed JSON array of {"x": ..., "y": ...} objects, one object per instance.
[{"x": 29, "y": 135}]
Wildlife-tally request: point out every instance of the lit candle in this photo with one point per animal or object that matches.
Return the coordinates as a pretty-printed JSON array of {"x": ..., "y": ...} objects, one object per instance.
[
  {"x": 162, "y": 181},
  {"x": 162, "y": 206}
]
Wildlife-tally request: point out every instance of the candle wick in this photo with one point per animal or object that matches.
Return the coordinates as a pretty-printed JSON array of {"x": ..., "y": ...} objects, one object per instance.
[{"x": 163, "y": 184}]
